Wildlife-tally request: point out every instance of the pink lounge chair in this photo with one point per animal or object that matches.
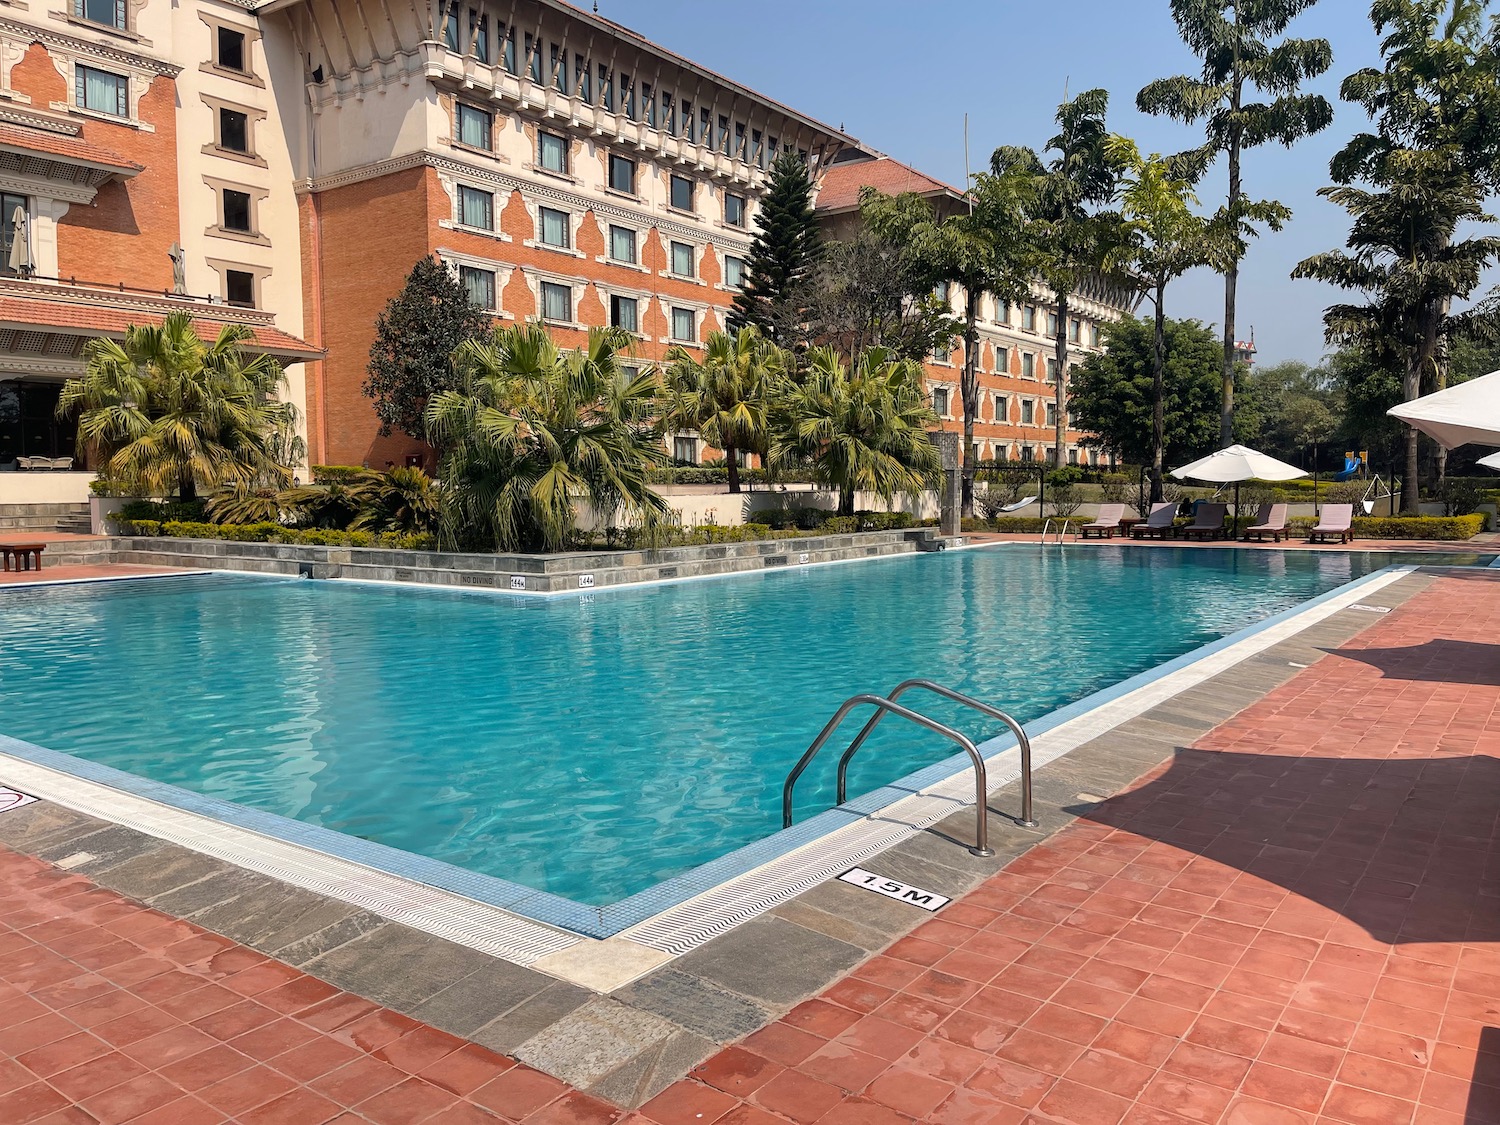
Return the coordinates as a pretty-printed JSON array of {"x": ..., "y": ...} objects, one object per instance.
[
  {"x": 1209, "y": 522},
  {"x": 1158, "y": 522},
  {"x": 1106, "y": 523},
  {"x": 1270, "y": 520},
  {"x": 1337, "y": 519}
]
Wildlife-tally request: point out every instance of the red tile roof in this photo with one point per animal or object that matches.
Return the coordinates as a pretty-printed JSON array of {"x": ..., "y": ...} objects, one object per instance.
[
  {"x": 73, "y": 149},
  {"x": 90, "y": 318},
  {"x": 839, "y": 190}
]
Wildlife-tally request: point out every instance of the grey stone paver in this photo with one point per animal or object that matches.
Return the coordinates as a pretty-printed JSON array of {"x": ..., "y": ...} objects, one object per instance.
[
  {"x": 772, "y": 960},
  {"x": 698, "y": 1005},
  {"x": 593, "y": 1040},
  {"x": 508, "y": 1031}
]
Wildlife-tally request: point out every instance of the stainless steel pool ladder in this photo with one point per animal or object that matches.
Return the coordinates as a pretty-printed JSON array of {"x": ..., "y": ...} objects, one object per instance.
[
  {"x": 1062, "y": 528},
  {"x": 887, "y": 705}
]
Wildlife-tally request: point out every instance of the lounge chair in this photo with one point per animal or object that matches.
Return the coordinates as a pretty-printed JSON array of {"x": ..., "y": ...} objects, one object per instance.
[
  {"x": 1270, "y": 520},
  {"x": 1208, "y": 522},
  {"x": 1337, "y": 519},
  {"x": 1158, "y": 522},
  {"x": 1106, "y": 523}
]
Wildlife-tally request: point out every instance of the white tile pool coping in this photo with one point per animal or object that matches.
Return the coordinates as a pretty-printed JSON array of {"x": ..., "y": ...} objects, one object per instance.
[{"x": 750, "y": 881}]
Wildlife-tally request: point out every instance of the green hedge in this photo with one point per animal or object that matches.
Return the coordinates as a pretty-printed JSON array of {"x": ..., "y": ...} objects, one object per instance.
[
  {"x": 821, "y": 519},
  {"x": 719, "y": 474},
  {"x": 1444, "y": 528},
  {"x": 328, "y": 474},
  {"x": 191, "y": 511},
  {"x": 275, "y": 533}
]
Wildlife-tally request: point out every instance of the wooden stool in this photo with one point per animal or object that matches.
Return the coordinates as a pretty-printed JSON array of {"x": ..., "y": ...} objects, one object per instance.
[{"x": 25, "y": 556}]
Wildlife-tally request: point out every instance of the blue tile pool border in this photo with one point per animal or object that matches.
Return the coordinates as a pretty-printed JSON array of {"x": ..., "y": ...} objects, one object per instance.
[{"x": 610, "y": 919}]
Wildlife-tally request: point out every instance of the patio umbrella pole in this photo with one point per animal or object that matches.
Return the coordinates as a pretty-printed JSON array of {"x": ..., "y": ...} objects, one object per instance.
[{"x": 1236, "y": 509}]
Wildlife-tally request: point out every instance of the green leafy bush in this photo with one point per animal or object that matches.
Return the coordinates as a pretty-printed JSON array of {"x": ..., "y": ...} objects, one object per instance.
[
  {"x": 1419, "y": 527},
  {"x": 328, "y": 474},
  {"x": 190, "y": 511},
  {"x": 1460, "y": 497},
  {"x": 279, "y": 533}
]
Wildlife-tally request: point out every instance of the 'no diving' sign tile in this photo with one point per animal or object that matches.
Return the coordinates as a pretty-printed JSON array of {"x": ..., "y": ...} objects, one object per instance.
[
  {"x": 892, "y": 888},
  {"x": 10, "y": 799}
]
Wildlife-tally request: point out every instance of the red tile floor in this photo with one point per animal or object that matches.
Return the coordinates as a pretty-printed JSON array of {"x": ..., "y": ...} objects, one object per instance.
[{"x": 1292, "y": 922}]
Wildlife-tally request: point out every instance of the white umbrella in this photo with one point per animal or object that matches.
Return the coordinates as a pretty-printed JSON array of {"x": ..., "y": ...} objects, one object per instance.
[
  {"x": 1490, "y": 462},
  {"x": 1237, "y": 463},
  {"x": 20, "y": 246},
  {"x": 1456, "y": 416}
]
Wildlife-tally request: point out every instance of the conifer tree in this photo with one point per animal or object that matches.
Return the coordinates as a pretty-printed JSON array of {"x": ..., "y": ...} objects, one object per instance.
[
  {"x": 786, "y": 247},
  {"x": 415, "y": 337}
]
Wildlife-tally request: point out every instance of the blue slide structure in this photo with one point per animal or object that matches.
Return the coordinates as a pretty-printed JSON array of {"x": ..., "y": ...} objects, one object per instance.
[{"x": 1352, "y": 465}]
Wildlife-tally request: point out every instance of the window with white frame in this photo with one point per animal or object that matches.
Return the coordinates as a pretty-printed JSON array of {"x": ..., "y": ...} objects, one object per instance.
[
  {"x": 1052, "y": 414},
  {"x": 1002, "y": 312},
  {"x": 101, "y": 91},
  {"x": 734, "y": 209},
  {"x": 553, "y": 228},
  {"x": 1002, "y": 360},
  {"x": 475, "y": 127},
  {"x": 552, "y": 152},
  {"x": 1002, "y": 409},
  {"x": 1051, "y": 369},
  {"x": 230, "y": 54},
  {"x": 1075, "y": 329},
  {"x": 557, "y": 302},
  {"x": 621, "y": 174},
  {"x": 1028, "y": 317},
  {"x": 940, "y": 401},
  {"x": 476, "y": 208},
  {"x": 1093, "y": 335},
  {"x": 479, "y": 284},
  {"x": 111, "y": 13},
  {"x": 1028, "y": 453},
  {"x": 622, "y": 244},
  {"x": 734, "y": 272},
  {"x": 1028, "y": 365},
  {"x": 682, "y": 193},
  {"x": 685, "y": 450},
  {"x": 239, "y": 288},
  {"x": 682, "y": 259},
  {"x": 624, "y": 312},
  {"x": 684, "y": 325},
  {"x": 1052, "y": 324},
  {"x": 1028, "y": 412}
]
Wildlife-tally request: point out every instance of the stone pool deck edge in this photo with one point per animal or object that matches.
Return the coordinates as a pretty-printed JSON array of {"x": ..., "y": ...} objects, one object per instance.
[{"x": 628, "y": 1044}]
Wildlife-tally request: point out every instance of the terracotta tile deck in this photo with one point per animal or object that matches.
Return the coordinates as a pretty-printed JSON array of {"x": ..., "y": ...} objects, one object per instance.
[
  {"x": 1293, "y": 922},
  {"x": 73, "y": 572}
]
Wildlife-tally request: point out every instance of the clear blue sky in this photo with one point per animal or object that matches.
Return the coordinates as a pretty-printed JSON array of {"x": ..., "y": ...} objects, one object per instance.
[{"x": 900, "y": 77}]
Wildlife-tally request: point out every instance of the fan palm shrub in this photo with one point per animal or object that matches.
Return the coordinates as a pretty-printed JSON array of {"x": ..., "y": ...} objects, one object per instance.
[
  {"x": 165, "y": 411},
  {"x": 400, "y": 500},
  {"x": 532, "y": 432},
  {"x": 860, "y": 429},
  {"x": 723, "y": 395}
]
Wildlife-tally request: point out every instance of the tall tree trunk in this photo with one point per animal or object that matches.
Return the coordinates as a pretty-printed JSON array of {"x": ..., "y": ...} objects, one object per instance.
[
  {"x": 846, "y": 501},
  {"x": 1232, "y": 274},
  {"x": 1059, "y": 389},
  {"x": 1158, "y": 395},
  {"x": 187, "y": 487},
  {"x": 1440, "y": 381},
  {"x": 731, "y": 457},
  {"x": 969, "y": 392},
  {"x": 1410, "y": 389}
]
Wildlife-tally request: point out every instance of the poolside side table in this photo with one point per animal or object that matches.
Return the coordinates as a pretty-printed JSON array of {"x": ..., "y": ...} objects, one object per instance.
[
  {"x": 21, "y": 556},
  {"x": 1127, "y": 522}
]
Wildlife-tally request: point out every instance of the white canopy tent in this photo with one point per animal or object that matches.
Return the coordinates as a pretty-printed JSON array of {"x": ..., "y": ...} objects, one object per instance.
[
  {"x": 1234, "y": 464},
  {"x": 1468, "y": 412}
]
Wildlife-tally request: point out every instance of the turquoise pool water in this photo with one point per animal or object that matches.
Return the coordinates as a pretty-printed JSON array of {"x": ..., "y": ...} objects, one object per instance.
[{"x": 592, "y": 746}]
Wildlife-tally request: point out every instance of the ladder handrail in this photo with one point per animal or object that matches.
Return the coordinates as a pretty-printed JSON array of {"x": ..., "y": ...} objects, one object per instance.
[
  {"x": 981, "y": 826},
  {"x": 958, "y": 697},
  {"x": 1062, "y": 528}
]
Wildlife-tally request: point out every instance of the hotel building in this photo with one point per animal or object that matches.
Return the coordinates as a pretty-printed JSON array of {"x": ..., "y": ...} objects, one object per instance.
[{"x": 296, "y": 157}]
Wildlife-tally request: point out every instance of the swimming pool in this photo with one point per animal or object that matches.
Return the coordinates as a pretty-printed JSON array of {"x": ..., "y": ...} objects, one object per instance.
[{"x": 592, "y": 746}]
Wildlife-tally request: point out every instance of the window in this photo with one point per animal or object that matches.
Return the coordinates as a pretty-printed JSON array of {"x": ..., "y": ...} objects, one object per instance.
[
  {"x": 1073, "y": 456},
  {"x": 1052, "y": 324},
  {"x": 734, "y": 272},
  {"x": 1051, "y": 369},
  {"x": 1052, "y": 414},
  {"x": 559, "y": 63},
  {"x": 480, "y": 286},
  {"x": 239, "y": 288},
  {"x": 236, "y": 210},
  {"x": 1075, "y": 332},
  {"x": 940, "y": 401},
  {"x": 682, "y": 193},
  {"x": 8, "y": 206},
  {"x": 474, "y": 127},
  {"x": 1027, "y": 454},
  {"x": 1094, "y": 335},
  {"x": 1028, "y": 317},
  {"x": 534, "y": 55},
  {"x": 685, "y": 450},
  {"x": 940, "y": 291},
  {"x": 684, "y": 324},
  {"x": 557, "y": 302},
  {"x": 621, "y": 174},
  {"x": 734, "y": 209},
  {"x": 552, "y": 152},
  {"x": 234, "y": 130},
  {"x": 1028, "y": 365},
  {"x": 682, "y": 259},
  {"x": 1002, "y": 409},
  {"x": 1028, "y": 413},
  {"x": 623, "y": 313},
  {"x": 1002, "y": 312},
  {"x": 108, "y": 12},
  {"x": 451, "y": 38},
  {"x": 231, "y": 45},
  {"x": 554, "y": 227},
  {"x": 584, "y": 75},
  {"x": 648, "y": 103},
  {"x": 1002, "y": 359},
  {"x": 102, "y": 91},
  {"x": 622, "y": 244},
  {"x": 476, "y": 209}
]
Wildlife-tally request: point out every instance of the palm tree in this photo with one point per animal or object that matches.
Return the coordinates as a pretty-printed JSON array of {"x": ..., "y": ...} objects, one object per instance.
[
  {"x": 400, "y": 499},
  {"x": 1071, "y": 234},
  {"x": 723, "y": 395},
  {"x": 861, "y": 429},
  {"x": 168, "y": 412},
  {"x": 531, "y": 431},
  {"x": 1162, "y": 239},
  {"x": 1234, "y": 40}
]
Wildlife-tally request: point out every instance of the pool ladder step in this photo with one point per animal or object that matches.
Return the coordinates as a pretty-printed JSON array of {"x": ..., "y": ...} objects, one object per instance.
[{"x": 886, "y": 705}]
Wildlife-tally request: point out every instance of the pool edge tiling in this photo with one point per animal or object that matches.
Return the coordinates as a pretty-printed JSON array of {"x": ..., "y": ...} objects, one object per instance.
[
  {"x": 628, "y": 1045},
  {"x": 523, "y": 924}
]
